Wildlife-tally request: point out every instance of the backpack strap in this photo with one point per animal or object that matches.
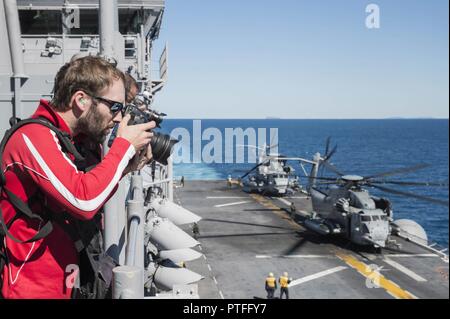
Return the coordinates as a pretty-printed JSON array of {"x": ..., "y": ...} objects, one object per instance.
[
  {"x": 63, "y": 137},
  {"x": 20, "y": 206}
]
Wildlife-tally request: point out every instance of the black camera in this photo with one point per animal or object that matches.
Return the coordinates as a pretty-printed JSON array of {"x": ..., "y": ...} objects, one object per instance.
[{"x": 162, "y": 144}]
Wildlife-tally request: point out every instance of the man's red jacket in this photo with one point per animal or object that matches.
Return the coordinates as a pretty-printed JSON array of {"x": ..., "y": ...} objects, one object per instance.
[{"x": 33, "y": 160}]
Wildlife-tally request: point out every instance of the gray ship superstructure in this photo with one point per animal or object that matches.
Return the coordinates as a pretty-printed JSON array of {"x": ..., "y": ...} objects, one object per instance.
[{"x": 141, "y": 225}]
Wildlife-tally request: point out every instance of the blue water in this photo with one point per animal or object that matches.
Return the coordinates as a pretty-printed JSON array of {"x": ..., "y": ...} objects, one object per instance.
[{"x": 365, "y": 147}]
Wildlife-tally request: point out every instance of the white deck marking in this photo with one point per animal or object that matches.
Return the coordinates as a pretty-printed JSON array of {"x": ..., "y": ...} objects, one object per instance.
[
  {"x": 308, "y": 256},
  {"x": 293, "y": 256},
  {"x": 221, "y": 294},
  {"x": 232, "y": 204},
  {"x": 317, "y": 275},
  {"x": 404, "y": 270},
  {"x": 225, "y": 197},
  {"x": 284, "y": 201}
]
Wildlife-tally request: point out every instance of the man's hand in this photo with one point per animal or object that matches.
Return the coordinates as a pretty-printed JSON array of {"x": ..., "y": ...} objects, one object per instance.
[
  {"x": 138, "y": 135},
  {"x": 145, "y": 157},
  {"x": 139, "y": 160}
]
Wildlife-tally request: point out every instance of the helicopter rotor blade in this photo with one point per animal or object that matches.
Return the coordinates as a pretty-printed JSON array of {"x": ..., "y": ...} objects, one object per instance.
[
  {"x": 331, "y": 153},
  {"x": 398, "y": 171},
  {"x": 407, "y": 194},
  {"x": 335, "y": 180},
  {"x": 331, "y": 168},
  {"x": 251, "y": 146},
  {"x": 325, "y": 156},
  {"x": 327, "y": 146},
  {"x": 326, "y": 183},
  {"x": 410, "y": 183}
]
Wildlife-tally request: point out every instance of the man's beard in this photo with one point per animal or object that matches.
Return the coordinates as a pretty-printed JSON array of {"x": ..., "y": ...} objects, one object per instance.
[{"x": 92, "y": 125}]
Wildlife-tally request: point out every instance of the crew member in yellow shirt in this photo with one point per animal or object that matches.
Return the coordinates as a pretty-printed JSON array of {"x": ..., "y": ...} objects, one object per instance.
[
  {"x": 284, "y": 285},
  {"x": 271, "y": 286}
]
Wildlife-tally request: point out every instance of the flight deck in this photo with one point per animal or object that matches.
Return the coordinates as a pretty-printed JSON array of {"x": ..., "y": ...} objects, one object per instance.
[{"x": 245, "y": 236}]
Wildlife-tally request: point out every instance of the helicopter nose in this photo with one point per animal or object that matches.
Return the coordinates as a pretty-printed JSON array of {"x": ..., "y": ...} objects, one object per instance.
[{"x": 379, "y": 234}]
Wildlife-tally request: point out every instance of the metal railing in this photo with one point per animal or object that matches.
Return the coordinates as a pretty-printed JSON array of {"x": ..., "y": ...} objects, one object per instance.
[
  {"x": 433, "y": 247},
  {"x": 129, "y": 280}
]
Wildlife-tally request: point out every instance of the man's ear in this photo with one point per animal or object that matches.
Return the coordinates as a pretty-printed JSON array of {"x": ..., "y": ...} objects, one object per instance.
[{"x": 80, "y": 101}]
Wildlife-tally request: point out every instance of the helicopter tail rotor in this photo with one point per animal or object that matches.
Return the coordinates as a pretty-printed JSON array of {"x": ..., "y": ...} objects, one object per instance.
[{"x": 324, "y": 162}]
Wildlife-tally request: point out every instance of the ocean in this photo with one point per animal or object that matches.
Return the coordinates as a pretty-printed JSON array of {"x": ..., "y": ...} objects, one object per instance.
[{"x": 364, "y": 147}]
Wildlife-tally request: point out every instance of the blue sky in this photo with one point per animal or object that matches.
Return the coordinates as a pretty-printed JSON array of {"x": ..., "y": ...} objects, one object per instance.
[{"x": 305, "y": 59}]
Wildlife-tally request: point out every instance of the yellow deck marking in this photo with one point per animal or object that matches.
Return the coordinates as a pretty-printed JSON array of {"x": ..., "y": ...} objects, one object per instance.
[{"x": 391, "y": 287}]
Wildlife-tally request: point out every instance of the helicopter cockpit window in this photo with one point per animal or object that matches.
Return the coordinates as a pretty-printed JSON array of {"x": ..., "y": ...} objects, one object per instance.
[
  {"x": 376, "y": 217},
  {"x": 365, "y": 218}
]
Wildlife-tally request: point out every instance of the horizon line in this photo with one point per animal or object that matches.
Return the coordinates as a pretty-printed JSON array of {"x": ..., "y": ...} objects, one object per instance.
[{"x": 306, "y": 119}]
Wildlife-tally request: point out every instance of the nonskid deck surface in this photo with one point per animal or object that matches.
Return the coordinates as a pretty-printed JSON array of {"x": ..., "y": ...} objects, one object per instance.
[{"x": 246, "y": 236}]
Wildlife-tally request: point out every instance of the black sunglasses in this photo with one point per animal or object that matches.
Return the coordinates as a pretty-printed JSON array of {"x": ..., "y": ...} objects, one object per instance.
[{"x": 113, "y": 105}]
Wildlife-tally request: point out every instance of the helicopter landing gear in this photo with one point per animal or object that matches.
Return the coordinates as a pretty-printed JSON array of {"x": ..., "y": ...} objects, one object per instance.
[{"x": 394, "y": 244}]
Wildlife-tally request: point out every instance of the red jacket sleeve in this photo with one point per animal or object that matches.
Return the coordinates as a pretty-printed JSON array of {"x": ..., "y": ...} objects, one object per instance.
[{"x": 37, "y": 150}]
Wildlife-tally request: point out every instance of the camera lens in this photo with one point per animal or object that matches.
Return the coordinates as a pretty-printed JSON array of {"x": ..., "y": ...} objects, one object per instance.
[
  {"x": 155, "y": 116},
  {"x": 162, "y": 147}
]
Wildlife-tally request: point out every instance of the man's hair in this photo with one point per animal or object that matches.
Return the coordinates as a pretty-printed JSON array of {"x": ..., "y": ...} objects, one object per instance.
[
  {"x": 129, "y": 83},
  {"x": 90, "y": 74}
]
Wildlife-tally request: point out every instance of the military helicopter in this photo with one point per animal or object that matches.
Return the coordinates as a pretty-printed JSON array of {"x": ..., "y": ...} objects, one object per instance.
[
  {"x": 272, "y": 175},
  {"x": 345, "y": 206}
]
